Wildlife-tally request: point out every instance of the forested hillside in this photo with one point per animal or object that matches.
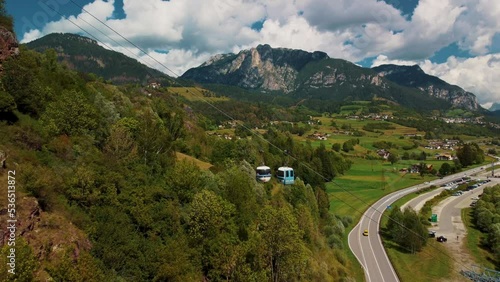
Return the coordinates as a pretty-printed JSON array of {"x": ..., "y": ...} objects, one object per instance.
[
  {"x": 102, "y": 196},
  {"x": 84, "y": 54}
]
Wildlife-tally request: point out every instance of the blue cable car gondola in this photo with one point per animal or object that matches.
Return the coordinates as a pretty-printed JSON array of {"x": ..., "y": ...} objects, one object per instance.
[
  {"x": 286, "y": 175},
  {"x": 263, "y": 173}
]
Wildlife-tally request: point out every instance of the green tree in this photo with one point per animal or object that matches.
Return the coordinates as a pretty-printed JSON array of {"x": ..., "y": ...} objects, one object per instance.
[
  {"x": 70, "y": 114},
  {"x": 493, "y": 240},
  {"x": 393, "y": 157},
  {"x": 6, "y": 20},
  {"x": 239, "y": 189},
  {"x": 25, "y": 265},
  {"x": 212, "y": 230},
  {"x": 22, "y": 82},
  {"x": 445, "y": 169},
  {"x": 155, "y": 146},
  {"x": 470, "y": 154},
  {"x": 395, "y": 227},
  {"x": 81, "y": 269},
  {"x": 283, "y": 249},
  {"x": 423, "y": 156},
  {"x": 415, "y": 232},
  {"x": 176, "y": 262},
  {"x": 185, "y": 179},
  {"x": 336, "y": 147},
  {"x": 7, "y": 107},
  {"x": 120, "y": 145},
  {"x": 406, "y": 229}
]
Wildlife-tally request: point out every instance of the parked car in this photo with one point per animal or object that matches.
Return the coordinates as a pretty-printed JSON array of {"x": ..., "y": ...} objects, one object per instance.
[
  {"x": 441, "y": 239},
  {"x": 432, "y": 233},
  {"x": 475, "y": 198}
]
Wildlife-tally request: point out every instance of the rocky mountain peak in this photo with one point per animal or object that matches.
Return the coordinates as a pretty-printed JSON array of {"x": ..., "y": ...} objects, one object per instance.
[
  {"x": 415, "y": 77},
  {"x": 389, "y": 69},
  {"x": 261, "y": 67},
  {"x": 316, "y": 76}
]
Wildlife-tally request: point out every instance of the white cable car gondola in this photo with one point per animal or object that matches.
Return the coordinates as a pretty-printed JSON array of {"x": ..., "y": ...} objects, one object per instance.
[
  {"x": 263, "y": 173},
  {"x": 286, "y": 175}
]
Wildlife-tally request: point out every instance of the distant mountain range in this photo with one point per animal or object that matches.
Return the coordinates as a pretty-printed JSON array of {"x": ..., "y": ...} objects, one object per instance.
[
  {"x": 294, "y": 73},
  {"x": 315, "y": 75},
  {"x": 86, "y": 55},
  {"x": 495, "y": 107}
]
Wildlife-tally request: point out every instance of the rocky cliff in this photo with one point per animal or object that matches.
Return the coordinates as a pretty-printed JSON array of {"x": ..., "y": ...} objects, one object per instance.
[
  {"x": 258, "y": 68},
  {"x": 415, "y": 77},
  {"x": 314, "y": 75},
  {"x": 8, "y": 46}
]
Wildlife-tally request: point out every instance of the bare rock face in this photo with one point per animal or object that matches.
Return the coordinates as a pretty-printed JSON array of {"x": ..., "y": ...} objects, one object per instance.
[
  {"x": 8, "y": 46},
  {"x": 3, "y": 158},
  {"x": 415, "y": 77},
  {"x": 314, "y": 75},
  {"x": 263, "y": 67}
]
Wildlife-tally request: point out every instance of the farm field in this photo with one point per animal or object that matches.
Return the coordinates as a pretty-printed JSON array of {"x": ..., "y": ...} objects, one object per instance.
[{"x": 365, "y": 183}]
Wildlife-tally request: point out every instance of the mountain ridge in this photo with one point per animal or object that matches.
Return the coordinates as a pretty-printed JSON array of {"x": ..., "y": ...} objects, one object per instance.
[
  {"x": 86, "y": 55},
  {"x": 315, "y": 75},
  {"x": 415, "y": 77}
]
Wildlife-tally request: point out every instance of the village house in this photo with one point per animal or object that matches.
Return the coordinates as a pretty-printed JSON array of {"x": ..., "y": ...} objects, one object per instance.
[
  {"x": 383, "y": 153},
  {"x": 416, "y": 168},
  {"x": 154, "y": 85},
  {"x": 319, "y": 136},
  {"x": 444, "y": 157}
]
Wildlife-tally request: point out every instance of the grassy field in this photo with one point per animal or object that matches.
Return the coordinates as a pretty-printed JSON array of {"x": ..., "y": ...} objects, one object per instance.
[
  {"x": 201, "y": 164},
  {"x": 473, "y": 243},
  {"x": 365, "y": 183},
  {"x": 433, "y": 263},
  {"x": 196, "y": 94}
]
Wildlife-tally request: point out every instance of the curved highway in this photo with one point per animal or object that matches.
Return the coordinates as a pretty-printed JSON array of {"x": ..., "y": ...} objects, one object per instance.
[{"x": 369, "y": 249}]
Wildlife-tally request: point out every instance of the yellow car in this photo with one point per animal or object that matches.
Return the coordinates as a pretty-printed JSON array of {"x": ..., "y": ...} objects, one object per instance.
[{"x": 365, "y": 233}]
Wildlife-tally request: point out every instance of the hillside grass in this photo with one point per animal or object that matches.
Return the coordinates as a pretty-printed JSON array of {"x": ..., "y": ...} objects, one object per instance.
[
  {"x": 201, "y": 164},
  {"x": 473, "y": 241},
  {"x": 365, "y": 183},
  {"x": 433, "y": 263},
  {"x": 196, "y": 94}
]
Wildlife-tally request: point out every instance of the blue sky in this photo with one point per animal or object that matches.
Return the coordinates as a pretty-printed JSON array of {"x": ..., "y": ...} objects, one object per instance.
[{"x": 456, "y": 40}]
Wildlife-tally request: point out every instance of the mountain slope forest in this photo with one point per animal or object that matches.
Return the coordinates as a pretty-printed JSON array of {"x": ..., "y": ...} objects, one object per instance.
[
  {"x": 86, "y": 55},
  {"x": 101, "y": 195}
]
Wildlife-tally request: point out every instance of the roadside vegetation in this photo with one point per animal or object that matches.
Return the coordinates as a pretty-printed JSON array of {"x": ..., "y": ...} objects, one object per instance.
[{"x": 486, "y": 219}]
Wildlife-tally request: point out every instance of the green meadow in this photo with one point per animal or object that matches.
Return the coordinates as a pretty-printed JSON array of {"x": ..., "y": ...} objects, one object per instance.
[{"x": 365, "y": 183}]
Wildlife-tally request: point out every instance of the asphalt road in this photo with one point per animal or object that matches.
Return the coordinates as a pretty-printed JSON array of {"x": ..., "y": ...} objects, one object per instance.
[
  {"x": 449, "y": 211},
  {"x": 369, "y": 249}
]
